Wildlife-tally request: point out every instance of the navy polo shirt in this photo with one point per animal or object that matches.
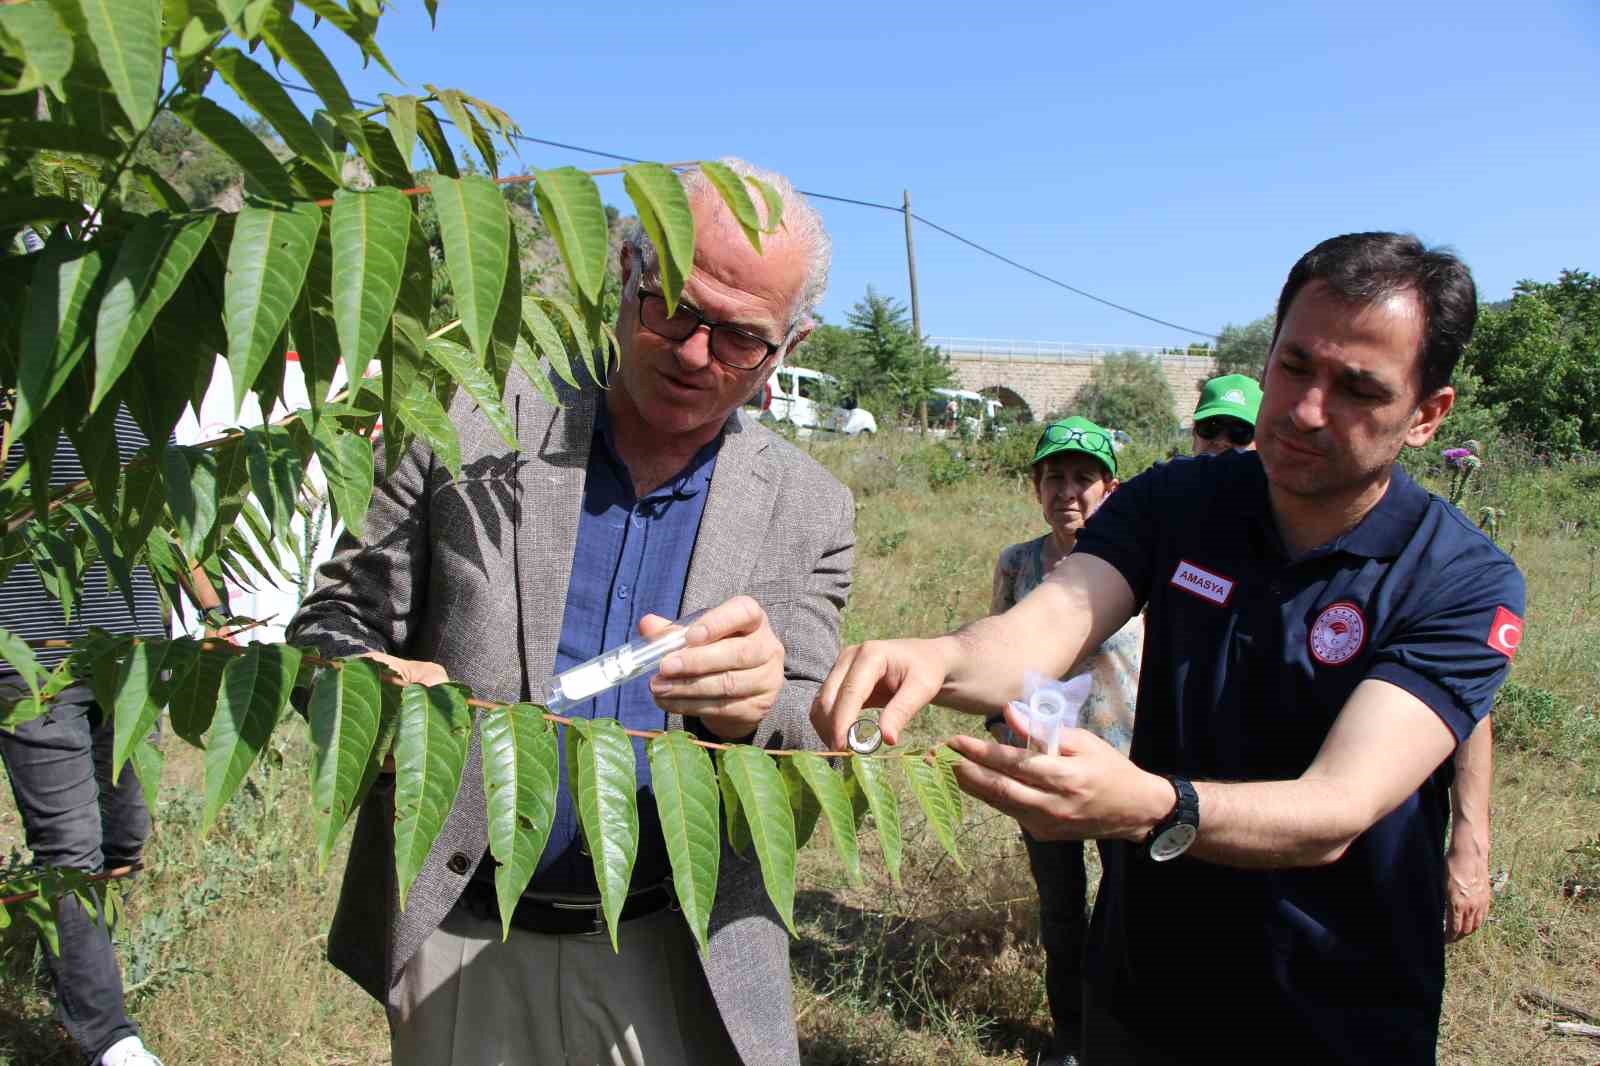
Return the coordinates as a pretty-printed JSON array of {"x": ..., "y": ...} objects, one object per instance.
[
  {"x": 1249, "y": 657},
  {"x": 631, "y": 559}
]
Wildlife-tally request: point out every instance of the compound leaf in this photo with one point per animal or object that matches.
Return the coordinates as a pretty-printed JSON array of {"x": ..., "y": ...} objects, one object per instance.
[
  {"x": 687, "y": 796},
  {"x": 134, "y": 712},
  {"x": 664, "y": 213},
  {"x": 870, "y": 776},
  {"x": 934, "y": 785},
  {"x": 475, "y": 381},
  {"x": 271, "y": 101},
  {"x": 738, "y": 826},
  {"x": 255, "y": 690},
  {"x": 344, "y": 716},
  {"x": 267, "y": 264},
  {"x": 235, "y": 140},
  {"x": 57, "y": 325},
  {"x": 476, "y": 233},
  {"x": 569, "y": 203},
  {"x": 765, "y": 803},
  {"x": 834, "y": 798},
  {"x": 430, "y": 753},
  {"x": 424, "y": 416},
  {"x": 600, "y": 766},
  {"x": 348, "y": 464},
  {"x": 520, "y": 771},
  {"x": 732, "y": 189},
  {"x": 127, "y": 34},
  {"x": 802, "y": 802},
  {"x": 369, "y": 231}
]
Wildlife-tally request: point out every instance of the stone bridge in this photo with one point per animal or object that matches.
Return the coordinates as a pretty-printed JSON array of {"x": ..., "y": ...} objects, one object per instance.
[{"x": 1043, "y": 377}]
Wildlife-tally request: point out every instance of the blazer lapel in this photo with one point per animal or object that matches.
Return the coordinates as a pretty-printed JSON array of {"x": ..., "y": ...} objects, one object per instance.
[
  {"x": 555, "y": 445},
  {"x": 734, "y": 526}
]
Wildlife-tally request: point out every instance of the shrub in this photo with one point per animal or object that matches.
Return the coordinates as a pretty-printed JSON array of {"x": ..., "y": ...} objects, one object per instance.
[{"x": 1128, "y": 392}]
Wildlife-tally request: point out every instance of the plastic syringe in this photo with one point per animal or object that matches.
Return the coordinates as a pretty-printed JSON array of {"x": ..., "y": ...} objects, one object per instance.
[{"x": 637, "y": 658}]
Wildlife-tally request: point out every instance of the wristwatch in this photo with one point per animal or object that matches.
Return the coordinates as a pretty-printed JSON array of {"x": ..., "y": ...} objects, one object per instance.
[{"x": 1172, "y": 835}]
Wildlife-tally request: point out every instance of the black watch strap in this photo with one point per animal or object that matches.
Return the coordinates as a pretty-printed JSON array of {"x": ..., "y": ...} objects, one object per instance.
[{"x": 1172, "y": 835}]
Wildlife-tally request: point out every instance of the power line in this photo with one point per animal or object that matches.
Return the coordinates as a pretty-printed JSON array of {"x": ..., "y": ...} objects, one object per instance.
[{"x": 1041, "y": 275}]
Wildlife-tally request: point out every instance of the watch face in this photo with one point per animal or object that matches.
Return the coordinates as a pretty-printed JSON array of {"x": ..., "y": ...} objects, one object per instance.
[{"x": 1172, "y": 842}]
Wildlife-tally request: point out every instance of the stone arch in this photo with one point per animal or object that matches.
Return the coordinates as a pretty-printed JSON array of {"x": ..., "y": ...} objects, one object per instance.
[{"x": 1010, "y": 400}]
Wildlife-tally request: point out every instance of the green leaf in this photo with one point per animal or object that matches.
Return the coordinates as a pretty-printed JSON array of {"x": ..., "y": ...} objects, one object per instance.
[
  {"x": 347, "y": 463},
  {"x": 432, "y": 7},
  {"x": 738, "y": 825},
  {"x": 454, "y": 102},
  {"x": 433, "y": 140},
  {"x": 765, "y": 803},
  {"x": 584, "y": 343},
  {"x": 54, "y": 136},
  {"x": 288, "y": 40},
  {"x": 569, "y": 203},
  {"x": 234, "y": 140},
  {"x": 687, "y": 797},
  {"x": 147, "y": 765},
  {"x": 402, "y": 114},
  {"x": 664, "y": 213},
  {"x": 191, "y": 476},
  {"x": 802, "y": 802},
  {"x": 344, "y": 715},
  {"x": 255, "y": 690},
  {"x": 600, "y": 771},
  {"x": 369, "y": 232},
  {"x": 152, "y": 261},
  {"x": 143, "y": 500},
  {"x": 58, "y": 324},
  {"x": 44, "y": 42},
  {"x": 732, "y": 189},
  {"x": 190, "y": 692},
  {"x": 267, "y": 263},
  {"x": 476, "y": 233},
  {"x": 422, "y": 413},
  {"x": 135, "y": 710},
  {"x": 935, "y": 788},
  {"x": 430, "y": 753},
  {"x": 520, "y": 771},
  {"x": 873, "y": 781},
  {"x": 355, "y": 27},
  {"x": 774, "y": 204},
  {"x": 274, "y": 474},
  {"x": 475, "y": 381},
  {"x": 127, "y": 34},
  {"x": 106, "y": 546},
  {"x": 271, "y": 101},
  {"x": 547, "y": 338},
  {"x": 834, "y": 798},
  {"x": 15, "y": 651}
]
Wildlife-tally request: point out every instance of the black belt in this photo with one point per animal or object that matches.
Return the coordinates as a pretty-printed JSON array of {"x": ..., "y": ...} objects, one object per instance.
[{"x": 555, "y": 915}]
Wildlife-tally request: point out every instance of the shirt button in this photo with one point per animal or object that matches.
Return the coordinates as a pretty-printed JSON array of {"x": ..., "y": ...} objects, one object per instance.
[
  {"x": 622, "y": 592},
  {"x": 458, "y": 864}
]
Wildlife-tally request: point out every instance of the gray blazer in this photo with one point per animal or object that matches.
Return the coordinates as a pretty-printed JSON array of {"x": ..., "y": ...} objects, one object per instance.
[{"x": 472, "y": 574}]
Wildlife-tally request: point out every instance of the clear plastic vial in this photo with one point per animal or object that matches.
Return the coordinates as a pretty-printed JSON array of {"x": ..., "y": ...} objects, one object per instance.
[{"x": 637, "y": 658}]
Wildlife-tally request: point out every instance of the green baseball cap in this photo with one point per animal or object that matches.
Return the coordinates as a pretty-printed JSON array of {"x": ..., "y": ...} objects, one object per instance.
[
  {"x": 1076, "y": 435},
  {"x": 1233, "y": 395}
]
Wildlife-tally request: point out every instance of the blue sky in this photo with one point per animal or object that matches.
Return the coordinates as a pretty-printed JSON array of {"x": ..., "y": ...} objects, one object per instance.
[{"x": 1176, "y": 158}]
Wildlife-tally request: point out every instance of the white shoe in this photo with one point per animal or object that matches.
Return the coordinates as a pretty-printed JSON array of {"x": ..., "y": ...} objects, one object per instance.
[{"x": 129, "y": 1051}]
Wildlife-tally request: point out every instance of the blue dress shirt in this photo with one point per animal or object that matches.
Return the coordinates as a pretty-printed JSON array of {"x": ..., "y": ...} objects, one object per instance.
[{"x": 631, "y": 559}]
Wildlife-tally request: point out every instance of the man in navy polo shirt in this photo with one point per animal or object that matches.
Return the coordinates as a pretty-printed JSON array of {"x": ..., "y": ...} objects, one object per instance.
[{"x": 1316, "y": 648}]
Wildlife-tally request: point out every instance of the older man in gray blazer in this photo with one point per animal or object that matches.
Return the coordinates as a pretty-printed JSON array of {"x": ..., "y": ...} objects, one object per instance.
[{"x": 622, "y": 507}]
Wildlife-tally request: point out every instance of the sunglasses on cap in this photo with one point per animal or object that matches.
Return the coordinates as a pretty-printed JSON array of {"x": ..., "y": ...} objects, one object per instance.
[
  {"x": 1238, "y": 433},
  {"x": 1072, "y": 435}
]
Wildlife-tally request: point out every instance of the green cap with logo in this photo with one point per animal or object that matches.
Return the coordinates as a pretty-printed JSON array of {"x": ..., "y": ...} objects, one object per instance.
[
  {"x": 1076, "y": 435},
  {"x": 1231, "y": 395}
]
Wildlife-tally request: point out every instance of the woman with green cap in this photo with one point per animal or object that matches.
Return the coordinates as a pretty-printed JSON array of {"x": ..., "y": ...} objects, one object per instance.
[{"x": 1074, "y": 470}]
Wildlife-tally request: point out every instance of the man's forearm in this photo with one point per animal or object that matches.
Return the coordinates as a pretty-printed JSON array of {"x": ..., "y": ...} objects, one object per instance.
[{"x": 1469, "y": 797}]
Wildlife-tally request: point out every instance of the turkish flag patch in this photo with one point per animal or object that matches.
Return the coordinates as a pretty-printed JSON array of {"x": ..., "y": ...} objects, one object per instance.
[{"x": 1505, "y": 633}]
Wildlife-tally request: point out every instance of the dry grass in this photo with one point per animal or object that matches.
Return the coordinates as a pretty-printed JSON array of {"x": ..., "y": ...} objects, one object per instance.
[{"x": 224, "y": 935}]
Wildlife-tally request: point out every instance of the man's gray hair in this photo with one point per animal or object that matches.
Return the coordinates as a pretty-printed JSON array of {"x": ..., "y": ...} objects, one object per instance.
[{"x": 800, "y": 223}]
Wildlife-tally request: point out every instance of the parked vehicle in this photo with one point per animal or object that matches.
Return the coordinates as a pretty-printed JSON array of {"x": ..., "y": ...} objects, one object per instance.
[
  {"x": 812, "y": 401},
  {"x": 961, "y": 407}
]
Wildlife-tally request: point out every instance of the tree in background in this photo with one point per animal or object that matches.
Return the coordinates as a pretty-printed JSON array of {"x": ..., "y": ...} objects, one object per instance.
[
  {"x": 878, "y": 360},
  {"x": 1129, "y": 392},
  {"x": 1538, "y": 358},
  {"x": 1243, "y": 349}
]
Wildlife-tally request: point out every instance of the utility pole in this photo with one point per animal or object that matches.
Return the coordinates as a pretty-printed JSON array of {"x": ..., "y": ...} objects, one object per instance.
[{"x": 916, "y": 311}]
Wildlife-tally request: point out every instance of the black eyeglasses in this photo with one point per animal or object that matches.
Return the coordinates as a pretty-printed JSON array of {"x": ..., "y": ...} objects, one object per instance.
[
  {"x": 1239, "y": 433},
  {"x": 1091, "y": 439},
  {"x": 730, "y": 345}
]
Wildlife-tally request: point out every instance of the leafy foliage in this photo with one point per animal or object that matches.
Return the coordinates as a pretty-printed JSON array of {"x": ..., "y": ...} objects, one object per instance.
[
  {"x": 1129, "y": 392},
  {"x": 878, "y": 359},
  {"x": 1244, "y": 349},
  {"x": 175, "y": 230}
]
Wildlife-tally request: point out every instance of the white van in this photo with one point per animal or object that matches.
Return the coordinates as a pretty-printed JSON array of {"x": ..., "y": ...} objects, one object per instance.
[
  {"x": 810, "y": 401},
  {"x": 971, "y": 409}
]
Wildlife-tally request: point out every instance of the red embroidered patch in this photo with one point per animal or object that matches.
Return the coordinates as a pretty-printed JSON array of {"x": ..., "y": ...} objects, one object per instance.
[{"x": 1505, "y": 633}]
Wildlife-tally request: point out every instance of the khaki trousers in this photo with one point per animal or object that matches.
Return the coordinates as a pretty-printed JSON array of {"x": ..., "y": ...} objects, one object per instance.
[{"x": 466, "y": 999}]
